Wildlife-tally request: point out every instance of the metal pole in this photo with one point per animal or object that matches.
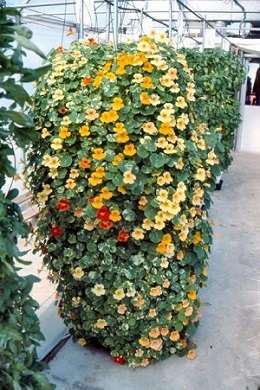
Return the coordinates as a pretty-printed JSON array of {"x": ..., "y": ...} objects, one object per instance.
[
  {"x": 81, "y": 32},
  {"x": 34, "y": 5},
  {"x": 170, "y": 18},
  {"x": 108, "y": 22},
  {"x": 115, "y": 24}
]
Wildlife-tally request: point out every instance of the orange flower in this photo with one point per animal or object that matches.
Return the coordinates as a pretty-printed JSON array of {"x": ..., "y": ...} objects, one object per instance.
[
  {"x": 164, "y": 331},
  {"x": 156, "y": 345},
  {"x": 174, "y": 336},
  {"x": 98, "y": 154},
  {"x": 144, "y": 342},
  {"x": 192, "y": 295},
  {"x": 86, "y": 81},
  {"x": 129, "y": 150},
  {"x": 156, "y": 291},
  {"x": 191, "y": 354},
  {"x": 145, "y": 99},
  {"x": 139, "y": 301},
  {"x": 154, "y": 333},
  {"x": 105, "y": 225},
  {"x": 85, "y": 163}
]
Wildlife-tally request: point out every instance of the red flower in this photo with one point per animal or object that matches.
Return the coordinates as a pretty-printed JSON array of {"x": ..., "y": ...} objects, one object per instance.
[
  {"x": 63, "y": 110},
  {"x": 105, "y": 224},
  {"x": 119, "y": 360},
  {"x": 103, "y": 213},
  {"x": 63, "y": 204},
  {"x": 56, "y": 231},
  {"x": 123, "y": 236}
]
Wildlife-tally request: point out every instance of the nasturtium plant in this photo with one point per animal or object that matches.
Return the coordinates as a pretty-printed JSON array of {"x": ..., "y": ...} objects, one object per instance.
[
  {"x": 122, "y": 173},
  {"x": 218, "y": 76}
]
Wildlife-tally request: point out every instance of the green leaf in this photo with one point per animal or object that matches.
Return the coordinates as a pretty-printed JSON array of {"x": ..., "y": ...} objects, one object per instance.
[
  {"x": 65, "y": 160},
  {"x": 30, "y": 75},
  {"x": 27, "y": 44},
  {"x": 18, "y": 93},
  {"x": 129, "y": 215},
  {"x": 159, "y": 160},
  {"x": 156, "y": 236},
  {"x": 19, "y": 118}
]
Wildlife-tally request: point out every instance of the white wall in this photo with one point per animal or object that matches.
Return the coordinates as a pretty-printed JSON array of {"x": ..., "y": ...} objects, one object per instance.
[{"x": 249, "y": 132}]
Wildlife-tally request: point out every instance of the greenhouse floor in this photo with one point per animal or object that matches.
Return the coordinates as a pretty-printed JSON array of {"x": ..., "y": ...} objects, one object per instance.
[{"x": 228, "y": 339}]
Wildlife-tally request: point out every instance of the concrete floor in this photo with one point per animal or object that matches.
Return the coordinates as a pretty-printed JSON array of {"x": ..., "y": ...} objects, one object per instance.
[{"x": 228, "y": 353}]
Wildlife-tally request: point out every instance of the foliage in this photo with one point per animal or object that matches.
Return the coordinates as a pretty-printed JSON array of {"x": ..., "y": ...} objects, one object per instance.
[
  {"x": 19, "y": 326},
  {"x": 121, "y": 171},
  {"x": 218, "y": 77}
]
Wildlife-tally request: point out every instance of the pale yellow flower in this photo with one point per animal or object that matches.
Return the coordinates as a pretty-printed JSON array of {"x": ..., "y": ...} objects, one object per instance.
[
  {"x": 65, "y": 121},
  {"x": 138, "y": 78},
  {"x": 91, "y": 114},
  {"x": 201, "y": 174},
  {"x": 119, "y": 294},
  {"x": 165, "y": 116},
  {"x": 101, "y": 324},
  {"x": 164, "y": 262},
  {"x": 138, "y": 234},
  {"x": 47, "y": 189},
  {"x": 161, "y": 143},
  {"x": 155, "y": 99},
  {"x": 150, "y": 128},
  {"x": 58, "y": 95},
  {"x": 89, "y": 225},
  {"x": 77, "y": 273},
  {"x": 162, "y": 196},
  {"x": 122, "y": 309},
  {"x": 147, "y": 224},
  {"x": 82, "y": 341},
  {"x": 180, "y": 102},
  {"x": 99, "y": 290},
  {"x": 45, "y": 132},
  {"x": 129, "y": 177},
  {"x": 70, "y": 184}
]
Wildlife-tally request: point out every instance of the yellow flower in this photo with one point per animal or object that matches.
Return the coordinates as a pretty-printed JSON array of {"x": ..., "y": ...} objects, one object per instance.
[
  {"x": 95, "y": 179},
  {"x": 84, "y": 131},
  {"x": 97, "y": 202},
  {"x": 150, "y": 128},
  {"x": 78, "y": 273},
  {"x": 56, "y": 144},
  {"x": 122, "y": 137},
  {"x": 173, "y": 73},
  {"x": 45, "y": 132},
  {"x": 42, "y": 197},
  {"x": 58, "y": 95},
  {"x": 166, "y": 81},
  {"x": 73, "y": 173},
  {"x": 70, "y": 183},
  {"x": 147, "y": 67},
  {"x": 163, "y": 196},
  {"x": 91, "y": 114},
  {"x": 192, "y": 295},
  {"x": 99, "y": 290},
  {"x": 118, "y": 158},
  {"x": 119, "y": 294},
  {"x": 180, "y": 102},
  {"x": 54, "y": 163},
  {"x": 121, "y": 189},
  {"x": 155, "y": 99},
  {"x": 147, "y": 82},
  {"x": 129, "y": 177},
  {"x": 89, "y": 225},
  {"x": 129, "y": 150},
  {"x": 105, "y": 193},
  {"x": 139, "y": 353},
  {"x": 201, "y": 174},
  {"x": 53, "y": 173},
  {"x": 64, "y": 133},
  {"x": 164, "y": 262},
  {"x": 144, "y": 98},
  {"x": 109, "y": 116},
  {"x": 78, "y": 212},
  {"x": 138, "y": 234},
  {"x": 147, "y": 224},
  {"x": 165, "y": 116},
  {"x": 65, "y": 121},
  {"x": 161, "y": 143},
  {"x": 143, "y": 46},
  {"x": 144, "y": 342},
  {"x": 47, "y": 189},
  {"x": 82, "y": 341},
  {"x": 98, "y": 154},
  {"x": 115, "y": 216},
  {"x": 101, "y": 324},
  {"x": 117, "y": 104}
]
